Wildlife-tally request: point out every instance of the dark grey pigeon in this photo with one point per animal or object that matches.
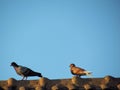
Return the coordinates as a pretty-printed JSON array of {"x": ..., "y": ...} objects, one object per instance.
[{"x": 24, "y": 71}]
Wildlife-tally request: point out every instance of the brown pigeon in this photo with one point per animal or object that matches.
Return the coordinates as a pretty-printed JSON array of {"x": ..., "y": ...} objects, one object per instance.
[
  {"x": 24, "y": 71},
  {"x": 78, "y": 71}
]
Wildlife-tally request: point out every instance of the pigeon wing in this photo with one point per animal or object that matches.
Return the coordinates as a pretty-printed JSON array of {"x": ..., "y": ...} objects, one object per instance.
[
  {"x": 24, "y": 70},
  {"x": 77, "y": 70}
]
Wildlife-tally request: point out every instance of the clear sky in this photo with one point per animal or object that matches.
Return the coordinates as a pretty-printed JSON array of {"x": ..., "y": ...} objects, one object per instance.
[{"x": 48, "y": 35}]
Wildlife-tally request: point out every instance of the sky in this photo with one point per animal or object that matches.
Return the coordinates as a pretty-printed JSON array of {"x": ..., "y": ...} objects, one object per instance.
[{"x": 48, "y": 35}]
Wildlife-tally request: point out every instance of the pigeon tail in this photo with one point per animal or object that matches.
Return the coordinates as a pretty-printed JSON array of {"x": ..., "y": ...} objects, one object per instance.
[
  {"x": 88, "y": 73},
  {"x": 38, "y": 74}
]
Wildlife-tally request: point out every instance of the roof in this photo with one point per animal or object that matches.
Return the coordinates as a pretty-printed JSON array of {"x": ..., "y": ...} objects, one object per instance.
[{"x": 74, "y": 83}]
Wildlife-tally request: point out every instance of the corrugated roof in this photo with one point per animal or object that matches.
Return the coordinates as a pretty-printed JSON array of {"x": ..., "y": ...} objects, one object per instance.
[{"x": 74, "y": 83}]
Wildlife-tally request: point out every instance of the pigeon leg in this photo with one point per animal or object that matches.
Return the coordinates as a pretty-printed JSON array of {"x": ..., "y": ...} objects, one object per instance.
[
  {"x": 26, "y": 78},
  {"x": 79, "y": 76},
  {"x": 23, "y": 78}
]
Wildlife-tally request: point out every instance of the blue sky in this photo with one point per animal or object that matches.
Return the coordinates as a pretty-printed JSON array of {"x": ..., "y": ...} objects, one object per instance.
[{"x": 48, "y": 35}]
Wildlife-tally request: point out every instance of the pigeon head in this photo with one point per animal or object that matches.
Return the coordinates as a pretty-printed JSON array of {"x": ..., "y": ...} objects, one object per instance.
[
  {"x": 72, "y": 65},
  {"x": 14, "y": 64}
]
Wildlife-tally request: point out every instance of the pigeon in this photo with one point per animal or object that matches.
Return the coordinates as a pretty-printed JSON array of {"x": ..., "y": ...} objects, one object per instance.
[
  {"x": 79, "y": 71},
  {"x": 24, "y": 71}
]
